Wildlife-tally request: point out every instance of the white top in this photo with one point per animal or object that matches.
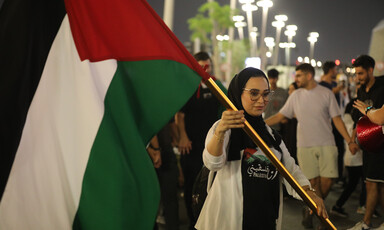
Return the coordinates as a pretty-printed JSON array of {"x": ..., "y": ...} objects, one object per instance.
[
  {"x": 223, "y": 207},
  {"x": 314, "y": 109},
  {"x": 349, "y": 159}
]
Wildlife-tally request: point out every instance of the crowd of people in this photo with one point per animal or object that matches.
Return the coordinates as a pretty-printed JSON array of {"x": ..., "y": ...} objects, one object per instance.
[{"x": 308, "y": 127}]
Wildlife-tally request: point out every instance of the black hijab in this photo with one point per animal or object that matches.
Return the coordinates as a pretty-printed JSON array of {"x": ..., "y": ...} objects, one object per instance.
[{"x": 239, "y": 139}]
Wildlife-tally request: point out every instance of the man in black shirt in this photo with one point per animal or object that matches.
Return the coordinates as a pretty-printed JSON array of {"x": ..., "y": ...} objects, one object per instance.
[
  {"x": 193, "y": 121},
  {"x": 371, "y": 92}
]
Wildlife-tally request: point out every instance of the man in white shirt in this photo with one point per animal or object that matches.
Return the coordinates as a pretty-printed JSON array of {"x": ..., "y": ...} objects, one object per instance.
[{"x": 314, "y": 106}]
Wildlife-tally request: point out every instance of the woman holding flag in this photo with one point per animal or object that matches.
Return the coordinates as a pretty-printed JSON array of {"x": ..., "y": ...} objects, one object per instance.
[{"x": 246, "y": 192}]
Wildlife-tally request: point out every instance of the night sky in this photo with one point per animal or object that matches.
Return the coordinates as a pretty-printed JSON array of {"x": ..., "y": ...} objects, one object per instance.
[{"x": 345, "y": 26}]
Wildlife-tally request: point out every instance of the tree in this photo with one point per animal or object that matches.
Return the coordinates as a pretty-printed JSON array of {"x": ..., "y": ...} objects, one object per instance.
[
  {"x": 240, "y": 50},
  {"x": 211, "y": 19}
]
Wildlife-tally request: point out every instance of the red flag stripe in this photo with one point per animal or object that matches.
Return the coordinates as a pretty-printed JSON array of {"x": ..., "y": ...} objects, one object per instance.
[{"x": 98, "y": 38}]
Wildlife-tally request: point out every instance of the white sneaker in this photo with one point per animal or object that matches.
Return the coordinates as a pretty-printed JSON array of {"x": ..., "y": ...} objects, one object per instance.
[{"x": 360, "y": 226}]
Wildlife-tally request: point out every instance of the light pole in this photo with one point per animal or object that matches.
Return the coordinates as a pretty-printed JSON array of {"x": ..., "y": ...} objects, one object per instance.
[
  {"x": 287, "y": 46},
  {"x": 249, "y": 8},
  {"x": 253, "y": 37},
  {"x": 279, "y": 23},
  {"x": 221, "y": 38},
  {"x": 289, "y": 32},
  {"x": 168, "y": 13},
  {"x": 265, "y": 4},
  {"x": 239, "y": 24},
  {"x": 312, "y": 40},
  {"x": 231, "y": 33},
  {"x": 270, "y": 43}
]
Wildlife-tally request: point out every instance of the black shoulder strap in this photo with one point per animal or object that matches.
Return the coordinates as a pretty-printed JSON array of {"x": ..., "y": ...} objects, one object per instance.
[
  {"x": 277, "y": 136},
  {"x": 278, "y": 140}
]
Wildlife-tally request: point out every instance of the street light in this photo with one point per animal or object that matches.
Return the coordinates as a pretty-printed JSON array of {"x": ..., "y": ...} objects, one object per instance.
[
  {"x": 270, "y": 43},
  {"x": 249, "y": 8},
  {"x": 279, "y": 23},
  {"x": 285, "y": 45},
  {"x": 238, "y": 18},
  {"x": 221, "y": 38},
  {"x": 265, "y": 4},
  {"x": 291, "y": 27},
  {"x": 313, "y": 62},
  {"x": 314, "y": 34},
  {"x": 300, "y": 59},
  {"x": 289, "y": 32},
  {"x": 239, "y": 24},
  {"x": 253, "y": 38},
  {"x": 246, "y": 1},
  {"x": 231, "y": 33},
  {"x": 281, "y": 17},
  {"x": 312, "y": 40}
]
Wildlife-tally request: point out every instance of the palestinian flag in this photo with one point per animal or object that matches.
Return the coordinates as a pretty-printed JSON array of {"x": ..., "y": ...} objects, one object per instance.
[{"x": 84, "y": 85}]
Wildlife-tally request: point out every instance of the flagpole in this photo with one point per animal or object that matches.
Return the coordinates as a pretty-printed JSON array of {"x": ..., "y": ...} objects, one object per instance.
[{"x": 224, "y": 100}]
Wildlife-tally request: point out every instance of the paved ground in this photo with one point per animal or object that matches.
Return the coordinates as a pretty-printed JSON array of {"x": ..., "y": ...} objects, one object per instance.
[
  {"x": 292, "y": 212},
  {"x": 293, "y": 208}
]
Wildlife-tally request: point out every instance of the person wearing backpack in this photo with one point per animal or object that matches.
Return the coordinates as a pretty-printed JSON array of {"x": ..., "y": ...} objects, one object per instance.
[{"x": 246, "y": 192}]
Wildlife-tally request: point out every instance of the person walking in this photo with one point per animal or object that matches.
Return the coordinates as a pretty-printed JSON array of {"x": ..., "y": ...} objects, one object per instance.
[
  {"x": 314, "y": 107},
  {"x": 371, "y": 93}
]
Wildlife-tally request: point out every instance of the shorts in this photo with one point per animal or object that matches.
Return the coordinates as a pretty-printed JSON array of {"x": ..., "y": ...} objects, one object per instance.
[
  {"x": 319, "y": 161},
  {"x": 373, "y": 164}
]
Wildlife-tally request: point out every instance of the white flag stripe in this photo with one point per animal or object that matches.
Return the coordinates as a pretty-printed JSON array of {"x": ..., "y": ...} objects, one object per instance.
[{"x": 44, "y": 186}]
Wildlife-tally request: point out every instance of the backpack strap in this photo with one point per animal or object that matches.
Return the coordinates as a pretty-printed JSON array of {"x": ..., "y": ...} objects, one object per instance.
[{"x": 277, "y": 136}]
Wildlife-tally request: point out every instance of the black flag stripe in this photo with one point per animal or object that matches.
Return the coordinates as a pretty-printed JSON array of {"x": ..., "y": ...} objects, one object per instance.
[{"x": 27, "y": 30}]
